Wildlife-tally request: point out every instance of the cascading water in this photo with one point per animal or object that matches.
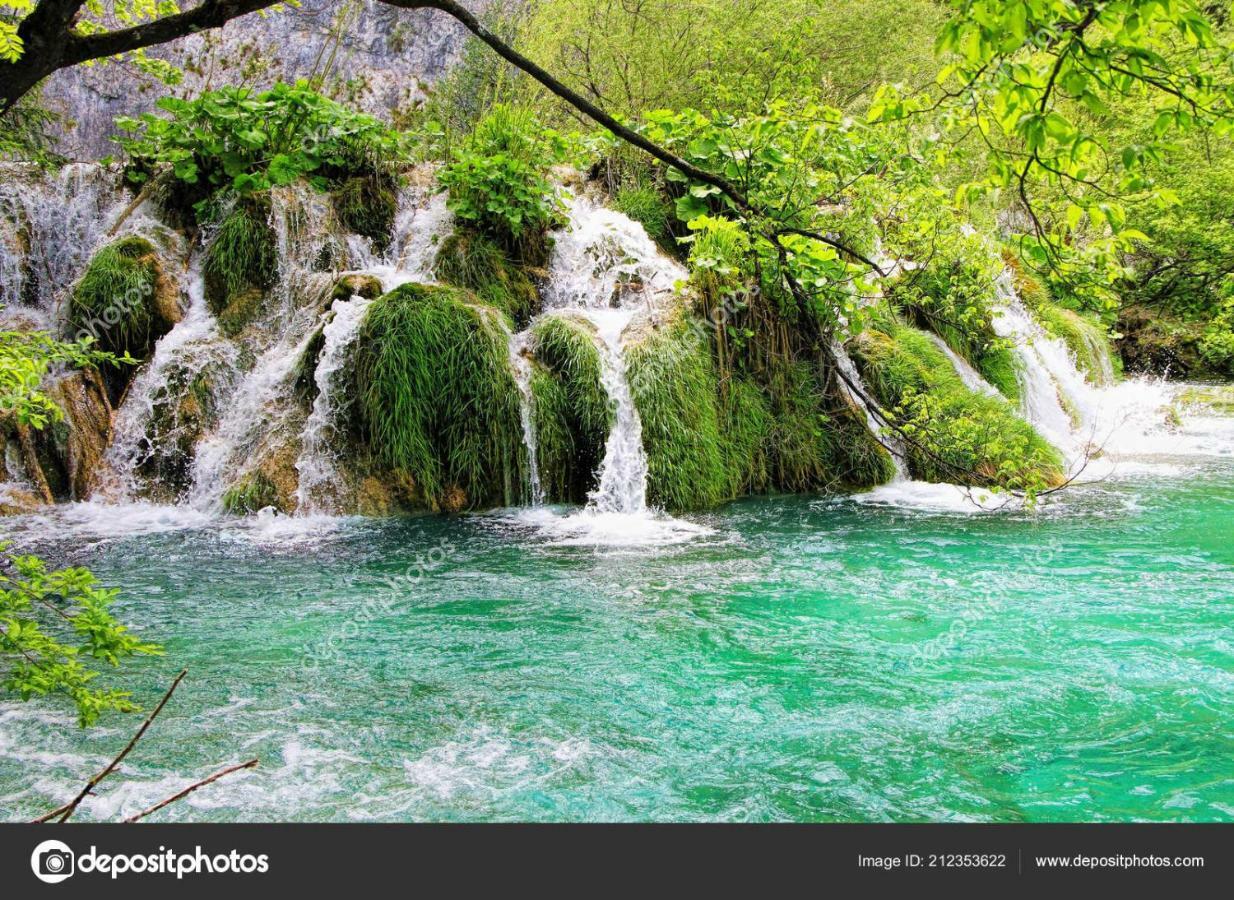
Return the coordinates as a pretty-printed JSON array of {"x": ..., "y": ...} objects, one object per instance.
[
  {"x": 319, "y": 482},
  {"x": 149, "y": 426},
  {"x": 606, "y": 270},
  {"x": 521, "y": 366},
  {"x": 50, "y": 226}
]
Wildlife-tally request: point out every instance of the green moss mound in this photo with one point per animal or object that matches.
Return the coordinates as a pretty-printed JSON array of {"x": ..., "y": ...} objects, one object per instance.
[
  {"x": 956, "y": 433},
  {"x": 470, "y": 260},
  {"x": 818, "y": 441},
  {"x": 437, "y": 400},
  {"x": 366, "y": 205},
  {"x": 123, "y": 300},
  {"x": 241, "y": 255},
  {"x": 250, "y": 495},
  {"x": 570, "y": 405}
]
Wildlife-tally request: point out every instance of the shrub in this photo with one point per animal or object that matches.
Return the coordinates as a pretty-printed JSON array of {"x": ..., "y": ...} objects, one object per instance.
[
  {"x": 437, "y": 400},
  {"x": 498, "y": 179},
  {"x": 248, "y": 142}
]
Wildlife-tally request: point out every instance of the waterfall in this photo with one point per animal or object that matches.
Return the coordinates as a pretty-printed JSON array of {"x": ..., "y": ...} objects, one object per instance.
[
  {"x": 318, "y": 487},
  {"x": 607, "y": 270},
  {"x": 49, "y": 227},
  {"x": 1054, "y": 396},
  {"x": 888, "y": 438},
  {"x": 188, "y": 356},
  {"x": 973, "y": 380},
  {"x": 520, "y": 364}
]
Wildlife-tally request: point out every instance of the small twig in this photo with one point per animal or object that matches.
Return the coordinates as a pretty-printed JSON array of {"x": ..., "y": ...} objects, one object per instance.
[
  {"x": 68, "y": 809},
  {"x": 192, "y": 787}
]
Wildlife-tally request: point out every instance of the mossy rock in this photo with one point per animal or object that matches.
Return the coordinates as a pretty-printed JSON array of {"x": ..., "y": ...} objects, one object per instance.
[
  {"x": 437, "y": 400},
  {"x": 672, "y": 376},
  {"x": 366, "y": 205},
  {"x": 243, "y": 307},
  {"x": 126, "y": 302},
  {"x": 470, "y": 260},
  {"x": 356, "y": 285},
  {"x": 251, "y": 494},
  {"x": 818, "y": 441},
  {"x": 957, "y": 434},
  {"x": 571, "y": 408},
  {"x": 1153, "y": 342},
  {"x": 241, "y": 255}
]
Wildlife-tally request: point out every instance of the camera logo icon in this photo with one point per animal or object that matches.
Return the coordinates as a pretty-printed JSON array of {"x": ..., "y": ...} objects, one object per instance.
[{"x": 52, "y": 862}]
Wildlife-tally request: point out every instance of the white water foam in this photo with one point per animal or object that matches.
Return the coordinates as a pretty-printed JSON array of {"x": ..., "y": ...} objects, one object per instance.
[{"x": 319, "y": 485}]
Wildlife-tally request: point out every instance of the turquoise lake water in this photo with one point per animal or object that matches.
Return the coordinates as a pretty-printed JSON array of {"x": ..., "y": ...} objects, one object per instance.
[{"x": 806, "y": 659}]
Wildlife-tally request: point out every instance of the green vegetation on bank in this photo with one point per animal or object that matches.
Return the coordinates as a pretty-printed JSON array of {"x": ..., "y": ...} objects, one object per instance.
[{"x": 437, "y": 400}]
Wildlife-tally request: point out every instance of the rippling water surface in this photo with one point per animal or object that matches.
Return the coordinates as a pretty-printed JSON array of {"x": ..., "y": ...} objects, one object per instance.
[{"x": 876, "y": 658}]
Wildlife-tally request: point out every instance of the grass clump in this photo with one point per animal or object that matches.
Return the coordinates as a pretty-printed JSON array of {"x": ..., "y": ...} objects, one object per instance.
[
  {"x": 956, "y": 434},
  {"x": 648, "y": 206},
  {"x": 572, "y": 413},
  {"x": 366, "y": 205},
  {"x": 470, "y": 260},
  {"x": 241, "y": 256},
  {"x": 673, "y": 382},
  {"x": 123, "y": 300},
  {"x": 437, "y": 400}
]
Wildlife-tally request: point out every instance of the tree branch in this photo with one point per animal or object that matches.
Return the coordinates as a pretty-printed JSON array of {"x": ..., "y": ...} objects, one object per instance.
[
  {"x": 69, "y": 808},
  {"x": 192, "y": 787}
]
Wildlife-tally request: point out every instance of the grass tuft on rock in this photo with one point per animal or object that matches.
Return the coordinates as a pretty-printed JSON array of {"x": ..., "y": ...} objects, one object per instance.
[
  {"x": 437, "y": 400},
  {"x": 366, "y": 205},
  {"x": 572, "y": 413},
  {"x": 1085, "y": 339},
  {"x": 123, "y": 300},
  {"x": 470, "y": 260},
  {"x": 241, "y": 255}
]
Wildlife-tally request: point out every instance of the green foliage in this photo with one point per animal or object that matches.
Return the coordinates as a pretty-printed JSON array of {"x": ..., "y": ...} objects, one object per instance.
[
  {"x": 56, "y": 628},
  {"x": 729, "y": 55},
  {"x": 233, "y": 138},
  {"x": 1217, "y": 344},
  {"x": 437, "y": 399},
  {"x": 647, "y": 206},
  {"x": 25, "y": 359},
  {"x": 249, "y": 495},
  {"x": 955, "y": 434},
  {"x": 498, "y": 178},
  {"x": 470, "y": 260},
  {"x": 116, "y": 300},
  {"x": 241, "y": 255},
  {"x": 572, "y": 412},
  {"x": 1030, "y": 77}
]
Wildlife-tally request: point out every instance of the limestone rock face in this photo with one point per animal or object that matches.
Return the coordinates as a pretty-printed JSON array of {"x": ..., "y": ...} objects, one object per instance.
[{"x": 384, "y": 59}]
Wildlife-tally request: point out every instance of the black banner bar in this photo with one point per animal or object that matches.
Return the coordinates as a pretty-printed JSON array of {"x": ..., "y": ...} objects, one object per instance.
[{"x": 252, "y": 860}]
